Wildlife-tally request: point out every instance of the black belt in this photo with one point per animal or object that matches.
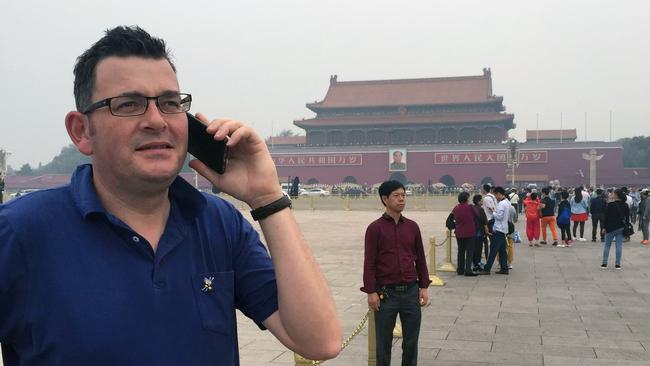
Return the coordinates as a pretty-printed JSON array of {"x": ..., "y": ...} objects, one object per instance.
[{"x": 400, "y": 287}]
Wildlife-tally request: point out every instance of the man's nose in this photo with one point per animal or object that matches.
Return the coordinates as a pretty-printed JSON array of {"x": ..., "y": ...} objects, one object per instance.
[{"x": 153, "y": 116}]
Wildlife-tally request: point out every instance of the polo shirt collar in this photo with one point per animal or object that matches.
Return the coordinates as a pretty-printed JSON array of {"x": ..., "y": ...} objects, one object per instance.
[
  {"x": 388, "y": 217},
  {"x": 190, "y": 201}
]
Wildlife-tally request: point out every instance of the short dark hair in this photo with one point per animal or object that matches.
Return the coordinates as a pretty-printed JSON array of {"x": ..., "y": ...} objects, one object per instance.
[
  {"x": 499, "y": 189},
  {"x": 620, "y": 194},
  {"x": 121, "y": 41},
  {"x": 487, "y": 187},
  {"x": 477, "y": 198},
  {"x": 564, "y": 195},
  {"x": 533, "y": 196},
  {"x": 388, "y": 187},
  {"x": 599, "y": 191},
  {"x": 545, "y": 190},
  {"x": 463, "y": 197}
]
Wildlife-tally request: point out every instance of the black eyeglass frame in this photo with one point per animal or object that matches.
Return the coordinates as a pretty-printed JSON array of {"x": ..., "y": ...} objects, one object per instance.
[{"x": 185, "y": 99}]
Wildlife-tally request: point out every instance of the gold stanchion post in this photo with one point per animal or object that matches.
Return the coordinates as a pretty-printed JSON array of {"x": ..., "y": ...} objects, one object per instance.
[
  {"x": 435, "y": 280},
  {"x": 447, "y": 265},
  {"x": 311, "y": 203},
  {"x": 346, "y": 203},
  {"x": 397, "y": 331}
]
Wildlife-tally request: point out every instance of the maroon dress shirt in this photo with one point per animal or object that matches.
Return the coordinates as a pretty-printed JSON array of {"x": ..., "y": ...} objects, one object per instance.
[
  {"x": 394, "y": 254},
  {"x": 465, "y": 220}
]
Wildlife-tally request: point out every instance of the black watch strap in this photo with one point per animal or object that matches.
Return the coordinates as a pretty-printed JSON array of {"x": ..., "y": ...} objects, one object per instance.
[{"x": 273, "y": 207}]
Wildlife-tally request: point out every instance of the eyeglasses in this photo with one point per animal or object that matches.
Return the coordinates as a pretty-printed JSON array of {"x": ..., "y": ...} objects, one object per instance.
[{"x": 136, "y": 105}]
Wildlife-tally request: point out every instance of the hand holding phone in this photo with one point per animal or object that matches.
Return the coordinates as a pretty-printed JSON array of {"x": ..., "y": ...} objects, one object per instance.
[{"x": 204, "y": 147}]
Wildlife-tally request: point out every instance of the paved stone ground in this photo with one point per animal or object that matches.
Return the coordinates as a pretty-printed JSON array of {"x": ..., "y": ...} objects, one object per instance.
[{"x": 557, "y": 307}]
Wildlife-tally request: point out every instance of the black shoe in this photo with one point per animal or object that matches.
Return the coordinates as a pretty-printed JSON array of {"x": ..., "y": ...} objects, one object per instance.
[
  {"x": 618, "y": 266},
  {"x": 484, "y": 272},
  {"x": 555, "y": 243},
  {"x": 471, "y": 274},
  {"x": 594, "y": 239},
  {"x": 603, "y": 266},
  {"x": 542, "y": 241},
  {"x": 501, "y": 272}
]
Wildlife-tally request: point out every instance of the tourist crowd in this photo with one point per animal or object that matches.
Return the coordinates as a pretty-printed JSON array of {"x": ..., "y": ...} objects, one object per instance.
[{"x": 485, "y": 231}]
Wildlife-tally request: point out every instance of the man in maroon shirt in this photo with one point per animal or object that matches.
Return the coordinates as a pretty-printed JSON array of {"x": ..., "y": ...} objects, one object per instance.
[{"x": 395, "y": 275}]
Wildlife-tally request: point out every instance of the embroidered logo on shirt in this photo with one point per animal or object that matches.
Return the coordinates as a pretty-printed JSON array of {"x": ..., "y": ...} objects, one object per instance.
[{"x": 207, "y": 284}]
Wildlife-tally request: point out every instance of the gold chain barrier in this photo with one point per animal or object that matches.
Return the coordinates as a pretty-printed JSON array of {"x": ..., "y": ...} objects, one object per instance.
[
  {"x": 447, "y": 265},
  {"x": 303, "y": 361}
]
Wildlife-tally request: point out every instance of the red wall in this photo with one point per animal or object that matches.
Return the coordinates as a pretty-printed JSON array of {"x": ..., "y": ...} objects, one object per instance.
[{"x": 563, "y": 164}]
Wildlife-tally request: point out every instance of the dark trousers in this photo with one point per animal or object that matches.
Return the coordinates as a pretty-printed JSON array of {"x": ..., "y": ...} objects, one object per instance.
[
  {"x": 465, "y": 255},
  {"x": 633, "y": 212},
  {"x": 478, "y": 248},
  {"x": 486, "y": 246},
  {"x": 565, "y": 230},
  {"x": 498, "y": 246},
  {"x": 582, "y": 228},
  {"x": 407, "y": 304},
  {"x": 595, "y": 220}
]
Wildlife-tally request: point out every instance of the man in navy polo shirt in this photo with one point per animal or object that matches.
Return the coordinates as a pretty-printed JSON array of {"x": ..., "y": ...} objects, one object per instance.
[{"x": 129, "y": 264}]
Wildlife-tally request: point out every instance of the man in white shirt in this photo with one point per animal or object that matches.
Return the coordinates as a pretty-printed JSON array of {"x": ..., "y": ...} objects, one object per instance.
[
  {"x": 514, "y": 201},
  {"x": 489, "y": 205},
  {"x": 499, "y": 232},
  {"x": 489, "y": 201}
]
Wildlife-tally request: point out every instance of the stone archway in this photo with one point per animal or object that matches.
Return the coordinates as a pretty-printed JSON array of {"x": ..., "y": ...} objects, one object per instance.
[
  {"x": 487, "y": 180},
  {"x": 398, "y": 177},
  {"x": 448, "y": 180}
]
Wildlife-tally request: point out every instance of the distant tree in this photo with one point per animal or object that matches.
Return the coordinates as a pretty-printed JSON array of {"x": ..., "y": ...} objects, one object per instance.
[
  {"x": 287, "y": 133},
  {"x": 64, "y": 163},
  {"x": 636, "y": 151},
  {"x": 26, "y": 169}
]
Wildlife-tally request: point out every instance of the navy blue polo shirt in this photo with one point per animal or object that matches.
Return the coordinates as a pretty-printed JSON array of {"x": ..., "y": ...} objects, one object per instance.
[{"x": 79, "y": 287}]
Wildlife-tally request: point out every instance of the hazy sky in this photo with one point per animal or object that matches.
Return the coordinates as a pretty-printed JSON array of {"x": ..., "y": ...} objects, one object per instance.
[{"x": 261, "y": 61}]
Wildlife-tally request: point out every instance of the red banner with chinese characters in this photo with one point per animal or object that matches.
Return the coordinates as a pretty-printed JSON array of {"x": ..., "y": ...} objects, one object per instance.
[
  {"x": 488, "y": 157},
  {"x": 318, "y": 160}
]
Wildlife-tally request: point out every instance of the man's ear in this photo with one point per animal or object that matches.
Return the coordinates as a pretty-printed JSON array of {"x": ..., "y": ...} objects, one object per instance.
[{"x": 78, "y": 127}]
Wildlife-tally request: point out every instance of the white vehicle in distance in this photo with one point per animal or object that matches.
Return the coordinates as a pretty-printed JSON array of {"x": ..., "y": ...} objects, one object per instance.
[
  {"x": 22, "y": 192},
  {"x": 316, "y": 192}
]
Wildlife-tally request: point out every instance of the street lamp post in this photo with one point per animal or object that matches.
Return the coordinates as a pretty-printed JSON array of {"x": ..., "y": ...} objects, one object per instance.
[{"x": 512, "y": 157}]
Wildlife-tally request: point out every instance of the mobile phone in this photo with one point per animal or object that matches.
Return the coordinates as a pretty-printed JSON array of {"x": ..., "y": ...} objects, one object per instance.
[{"x": 204, "y": 147}]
